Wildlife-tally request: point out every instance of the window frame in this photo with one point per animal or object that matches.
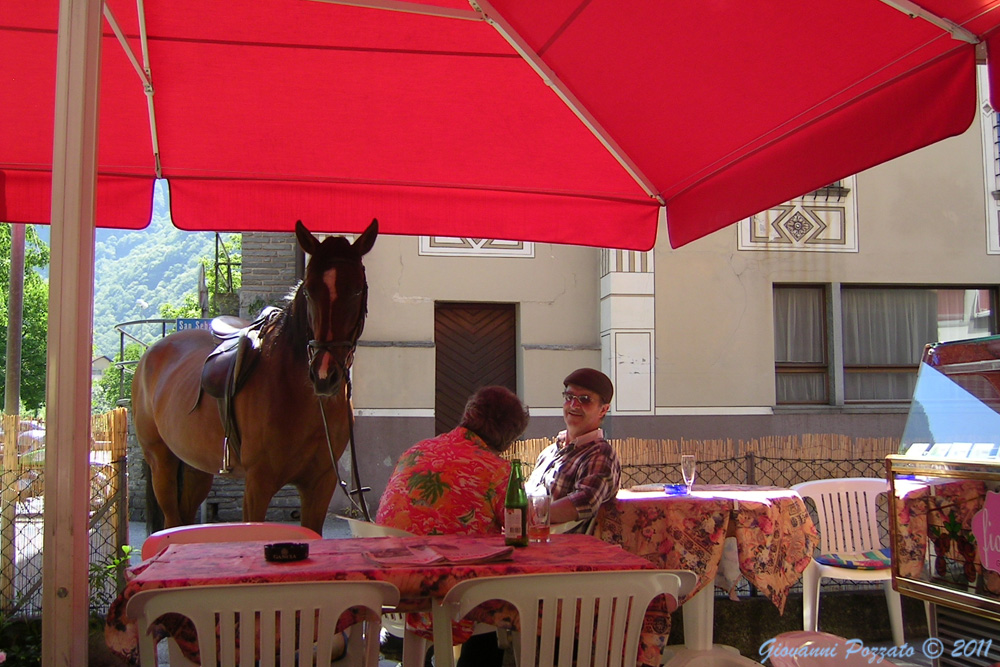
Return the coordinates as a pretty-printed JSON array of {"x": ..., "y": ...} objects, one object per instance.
[
  {"x": 835, "y": 368},
  {"x": 812, "y": 368}
]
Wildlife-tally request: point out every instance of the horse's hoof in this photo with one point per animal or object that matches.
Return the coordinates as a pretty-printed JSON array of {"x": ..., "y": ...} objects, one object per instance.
[{"x": 225, "y": 471}]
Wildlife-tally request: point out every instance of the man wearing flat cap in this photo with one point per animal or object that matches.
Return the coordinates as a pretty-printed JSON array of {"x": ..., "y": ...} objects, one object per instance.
[{"x": 580, "y": 469}]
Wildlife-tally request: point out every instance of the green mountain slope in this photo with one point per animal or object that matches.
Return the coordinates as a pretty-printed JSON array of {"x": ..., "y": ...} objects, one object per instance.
[{"x": 137, "y": 271}]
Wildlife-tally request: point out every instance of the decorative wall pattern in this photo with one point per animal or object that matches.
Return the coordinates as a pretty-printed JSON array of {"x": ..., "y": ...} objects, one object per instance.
[
  {"x": 991, "y": 165},
  {"x": 824, "y": 220},
  {"x": 625, "y": 261},
  {"x": 455, "y": 246}
]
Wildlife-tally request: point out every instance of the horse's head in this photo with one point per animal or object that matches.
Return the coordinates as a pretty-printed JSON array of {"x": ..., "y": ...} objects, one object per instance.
[{"x": 337, "y": 301}]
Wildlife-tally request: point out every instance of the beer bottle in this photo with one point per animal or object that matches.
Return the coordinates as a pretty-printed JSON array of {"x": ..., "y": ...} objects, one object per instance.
[{"x": 515, "y": 524}]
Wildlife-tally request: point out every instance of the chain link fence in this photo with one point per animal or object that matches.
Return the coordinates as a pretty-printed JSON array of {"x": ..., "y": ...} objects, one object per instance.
[
  {"x": 754, "y": 469},
  {"x": 22, "y": 505}
]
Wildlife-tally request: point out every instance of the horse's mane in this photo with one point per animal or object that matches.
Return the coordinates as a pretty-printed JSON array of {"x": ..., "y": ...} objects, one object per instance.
[{"x": 291, "y": 323}]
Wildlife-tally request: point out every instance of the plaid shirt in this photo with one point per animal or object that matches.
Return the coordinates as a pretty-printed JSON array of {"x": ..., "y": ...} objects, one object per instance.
[{"x": 586, "y": 470}]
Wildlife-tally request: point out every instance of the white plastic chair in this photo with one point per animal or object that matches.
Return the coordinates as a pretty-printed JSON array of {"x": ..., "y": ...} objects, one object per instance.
[
  {"x": 414, "y": 647},
  {"x": 220, "y": 532},
  {"x": 361, "y": 528},
  {"x": 316, "y": 605},
  {"x": 599, "y": 614},
  {"x": 847, "y": 520},
  {"x": 717, "y": 656},
  {"x": 225, "y": 532}
]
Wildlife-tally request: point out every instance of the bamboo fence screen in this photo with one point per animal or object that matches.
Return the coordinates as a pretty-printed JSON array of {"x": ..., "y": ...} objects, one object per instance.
[{"x": 22, "y": 475}]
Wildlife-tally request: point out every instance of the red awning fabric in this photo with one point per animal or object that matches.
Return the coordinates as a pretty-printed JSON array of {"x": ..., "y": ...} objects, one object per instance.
[{"x": 278, "y": 110}]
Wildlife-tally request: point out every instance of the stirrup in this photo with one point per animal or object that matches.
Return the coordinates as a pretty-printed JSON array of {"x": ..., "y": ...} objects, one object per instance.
[{"x": 227, "y": 467}]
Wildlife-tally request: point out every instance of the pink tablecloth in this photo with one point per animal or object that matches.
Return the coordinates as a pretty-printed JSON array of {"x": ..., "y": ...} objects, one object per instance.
[
  {"x": 344, "y": 559},
  {"x": 775, "y": 536}
]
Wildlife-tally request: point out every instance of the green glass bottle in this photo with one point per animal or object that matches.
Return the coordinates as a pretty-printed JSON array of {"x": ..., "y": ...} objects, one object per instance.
[{"x": 515, "y": 524}]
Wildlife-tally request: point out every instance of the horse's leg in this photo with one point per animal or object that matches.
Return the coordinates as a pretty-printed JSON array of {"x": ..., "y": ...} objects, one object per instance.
[
  {"x": 260, "y": 488},
  {"x": 315, "y": 495},
  {"x": 154, "y": 513},
  {"x": 163, "y": 467},
  {"x": 196, "y": 487}
]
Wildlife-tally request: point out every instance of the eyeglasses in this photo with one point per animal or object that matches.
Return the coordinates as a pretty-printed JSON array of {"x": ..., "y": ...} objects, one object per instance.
[{"x": 582, "y": 399}]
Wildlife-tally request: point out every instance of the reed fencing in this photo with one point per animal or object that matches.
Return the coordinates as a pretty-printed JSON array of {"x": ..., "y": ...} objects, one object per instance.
[
  {"x": 22, "y": 505},
  {"x": 775, "y": 460}
]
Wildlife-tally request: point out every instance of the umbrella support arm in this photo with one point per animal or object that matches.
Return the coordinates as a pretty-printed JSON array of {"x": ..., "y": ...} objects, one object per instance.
[
  {"x": 142, "y": 71},
  {"x": 411, "y": 8},
  {"x": 913, "y": 11},
  {"x": 569, "y": 99}
]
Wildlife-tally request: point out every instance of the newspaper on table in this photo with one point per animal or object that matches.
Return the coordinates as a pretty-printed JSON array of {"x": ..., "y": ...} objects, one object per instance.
[{"x": 440, "y": 554}]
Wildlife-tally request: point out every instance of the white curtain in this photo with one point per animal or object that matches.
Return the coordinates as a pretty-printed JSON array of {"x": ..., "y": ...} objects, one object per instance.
[
  {"x": 885, "y": 327},
  {"x": 800, "y": 338}
]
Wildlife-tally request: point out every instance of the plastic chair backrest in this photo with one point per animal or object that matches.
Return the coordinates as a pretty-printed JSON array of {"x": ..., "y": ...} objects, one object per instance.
[
  {"x": 225, "y": 532},
  {"x": 368, "y": 529},
  {"x": 847, "y": 512},
  {"x": 270, "y": 610},
  {"x": 602, "y": 610}
]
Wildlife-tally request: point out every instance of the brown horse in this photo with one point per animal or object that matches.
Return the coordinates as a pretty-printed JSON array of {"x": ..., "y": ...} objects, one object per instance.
[{"x": 298, "y": 389}]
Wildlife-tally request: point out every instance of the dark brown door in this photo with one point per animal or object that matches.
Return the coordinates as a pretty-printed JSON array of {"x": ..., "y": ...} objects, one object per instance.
[{"x": 476, "y": 347}]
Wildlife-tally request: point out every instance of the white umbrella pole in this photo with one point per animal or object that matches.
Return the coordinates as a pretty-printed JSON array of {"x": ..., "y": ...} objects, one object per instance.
[{"x": 65, "y": 590}]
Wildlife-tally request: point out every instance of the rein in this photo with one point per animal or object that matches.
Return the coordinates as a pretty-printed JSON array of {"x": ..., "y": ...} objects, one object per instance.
[
  {"x": 314, "y": 347},
  {"x": 359, "y": 490}
]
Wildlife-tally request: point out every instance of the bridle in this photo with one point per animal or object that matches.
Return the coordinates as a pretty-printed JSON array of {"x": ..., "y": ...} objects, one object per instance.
[{"x": 314, "y": 347}]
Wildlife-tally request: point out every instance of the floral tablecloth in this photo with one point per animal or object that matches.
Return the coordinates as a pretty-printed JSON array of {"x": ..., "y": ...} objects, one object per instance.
[
  {"x": 344, "y": 559},
  {"x": 775, "y": 536}
]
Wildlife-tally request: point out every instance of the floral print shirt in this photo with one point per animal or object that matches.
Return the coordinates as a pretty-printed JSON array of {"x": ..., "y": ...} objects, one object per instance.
[{"x": 453, "y": 483}]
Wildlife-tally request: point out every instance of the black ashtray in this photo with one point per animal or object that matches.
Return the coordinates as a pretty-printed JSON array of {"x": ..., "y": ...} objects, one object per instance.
[{"x": 282, "y": 552}]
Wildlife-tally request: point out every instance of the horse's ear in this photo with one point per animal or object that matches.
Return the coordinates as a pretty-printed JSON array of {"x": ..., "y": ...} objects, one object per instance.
[
  {"x": 365, "y": 242},
  {"x": 307, "y": 241}
]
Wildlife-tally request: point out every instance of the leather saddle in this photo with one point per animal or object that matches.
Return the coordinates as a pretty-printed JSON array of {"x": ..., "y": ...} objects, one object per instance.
[{"x": 230, "y": 364}]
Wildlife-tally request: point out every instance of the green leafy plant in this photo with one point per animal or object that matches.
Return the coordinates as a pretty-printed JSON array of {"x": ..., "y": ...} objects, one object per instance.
[
  {"x": 21, "y": 641},
  {"x": 107, "y": 578},
  {"x": 110, "y": 388},
  {"x": 21, "y": 638}
]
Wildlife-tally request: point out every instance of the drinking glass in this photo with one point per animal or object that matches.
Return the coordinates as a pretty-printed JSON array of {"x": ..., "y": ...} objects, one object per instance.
[
  {"x": 688, "y": 470},
  {"x": 539, "y": 504}
]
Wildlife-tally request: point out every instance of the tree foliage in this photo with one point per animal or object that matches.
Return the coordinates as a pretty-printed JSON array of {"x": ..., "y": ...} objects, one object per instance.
[
  {"x": 35, "y": 315},
  {"x": 136, "y": 271},
  {"x": 229, "y": 274},
  {"x": 111, "y": 387}
]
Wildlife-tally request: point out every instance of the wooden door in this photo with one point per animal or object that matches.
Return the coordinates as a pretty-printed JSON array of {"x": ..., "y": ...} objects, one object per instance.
[{"x": 475, "y": 346}]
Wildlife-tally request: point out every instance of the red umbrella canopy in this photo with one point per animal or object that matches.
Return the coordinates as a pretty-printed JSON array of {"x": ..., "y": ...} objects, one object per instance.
[{"x": 438, "y": 122}]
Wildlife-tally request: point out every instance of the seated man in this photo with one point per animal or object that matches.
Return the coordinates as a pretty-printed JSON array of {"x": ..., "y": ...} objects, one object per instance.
[{"x": 580, "y": 469}]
